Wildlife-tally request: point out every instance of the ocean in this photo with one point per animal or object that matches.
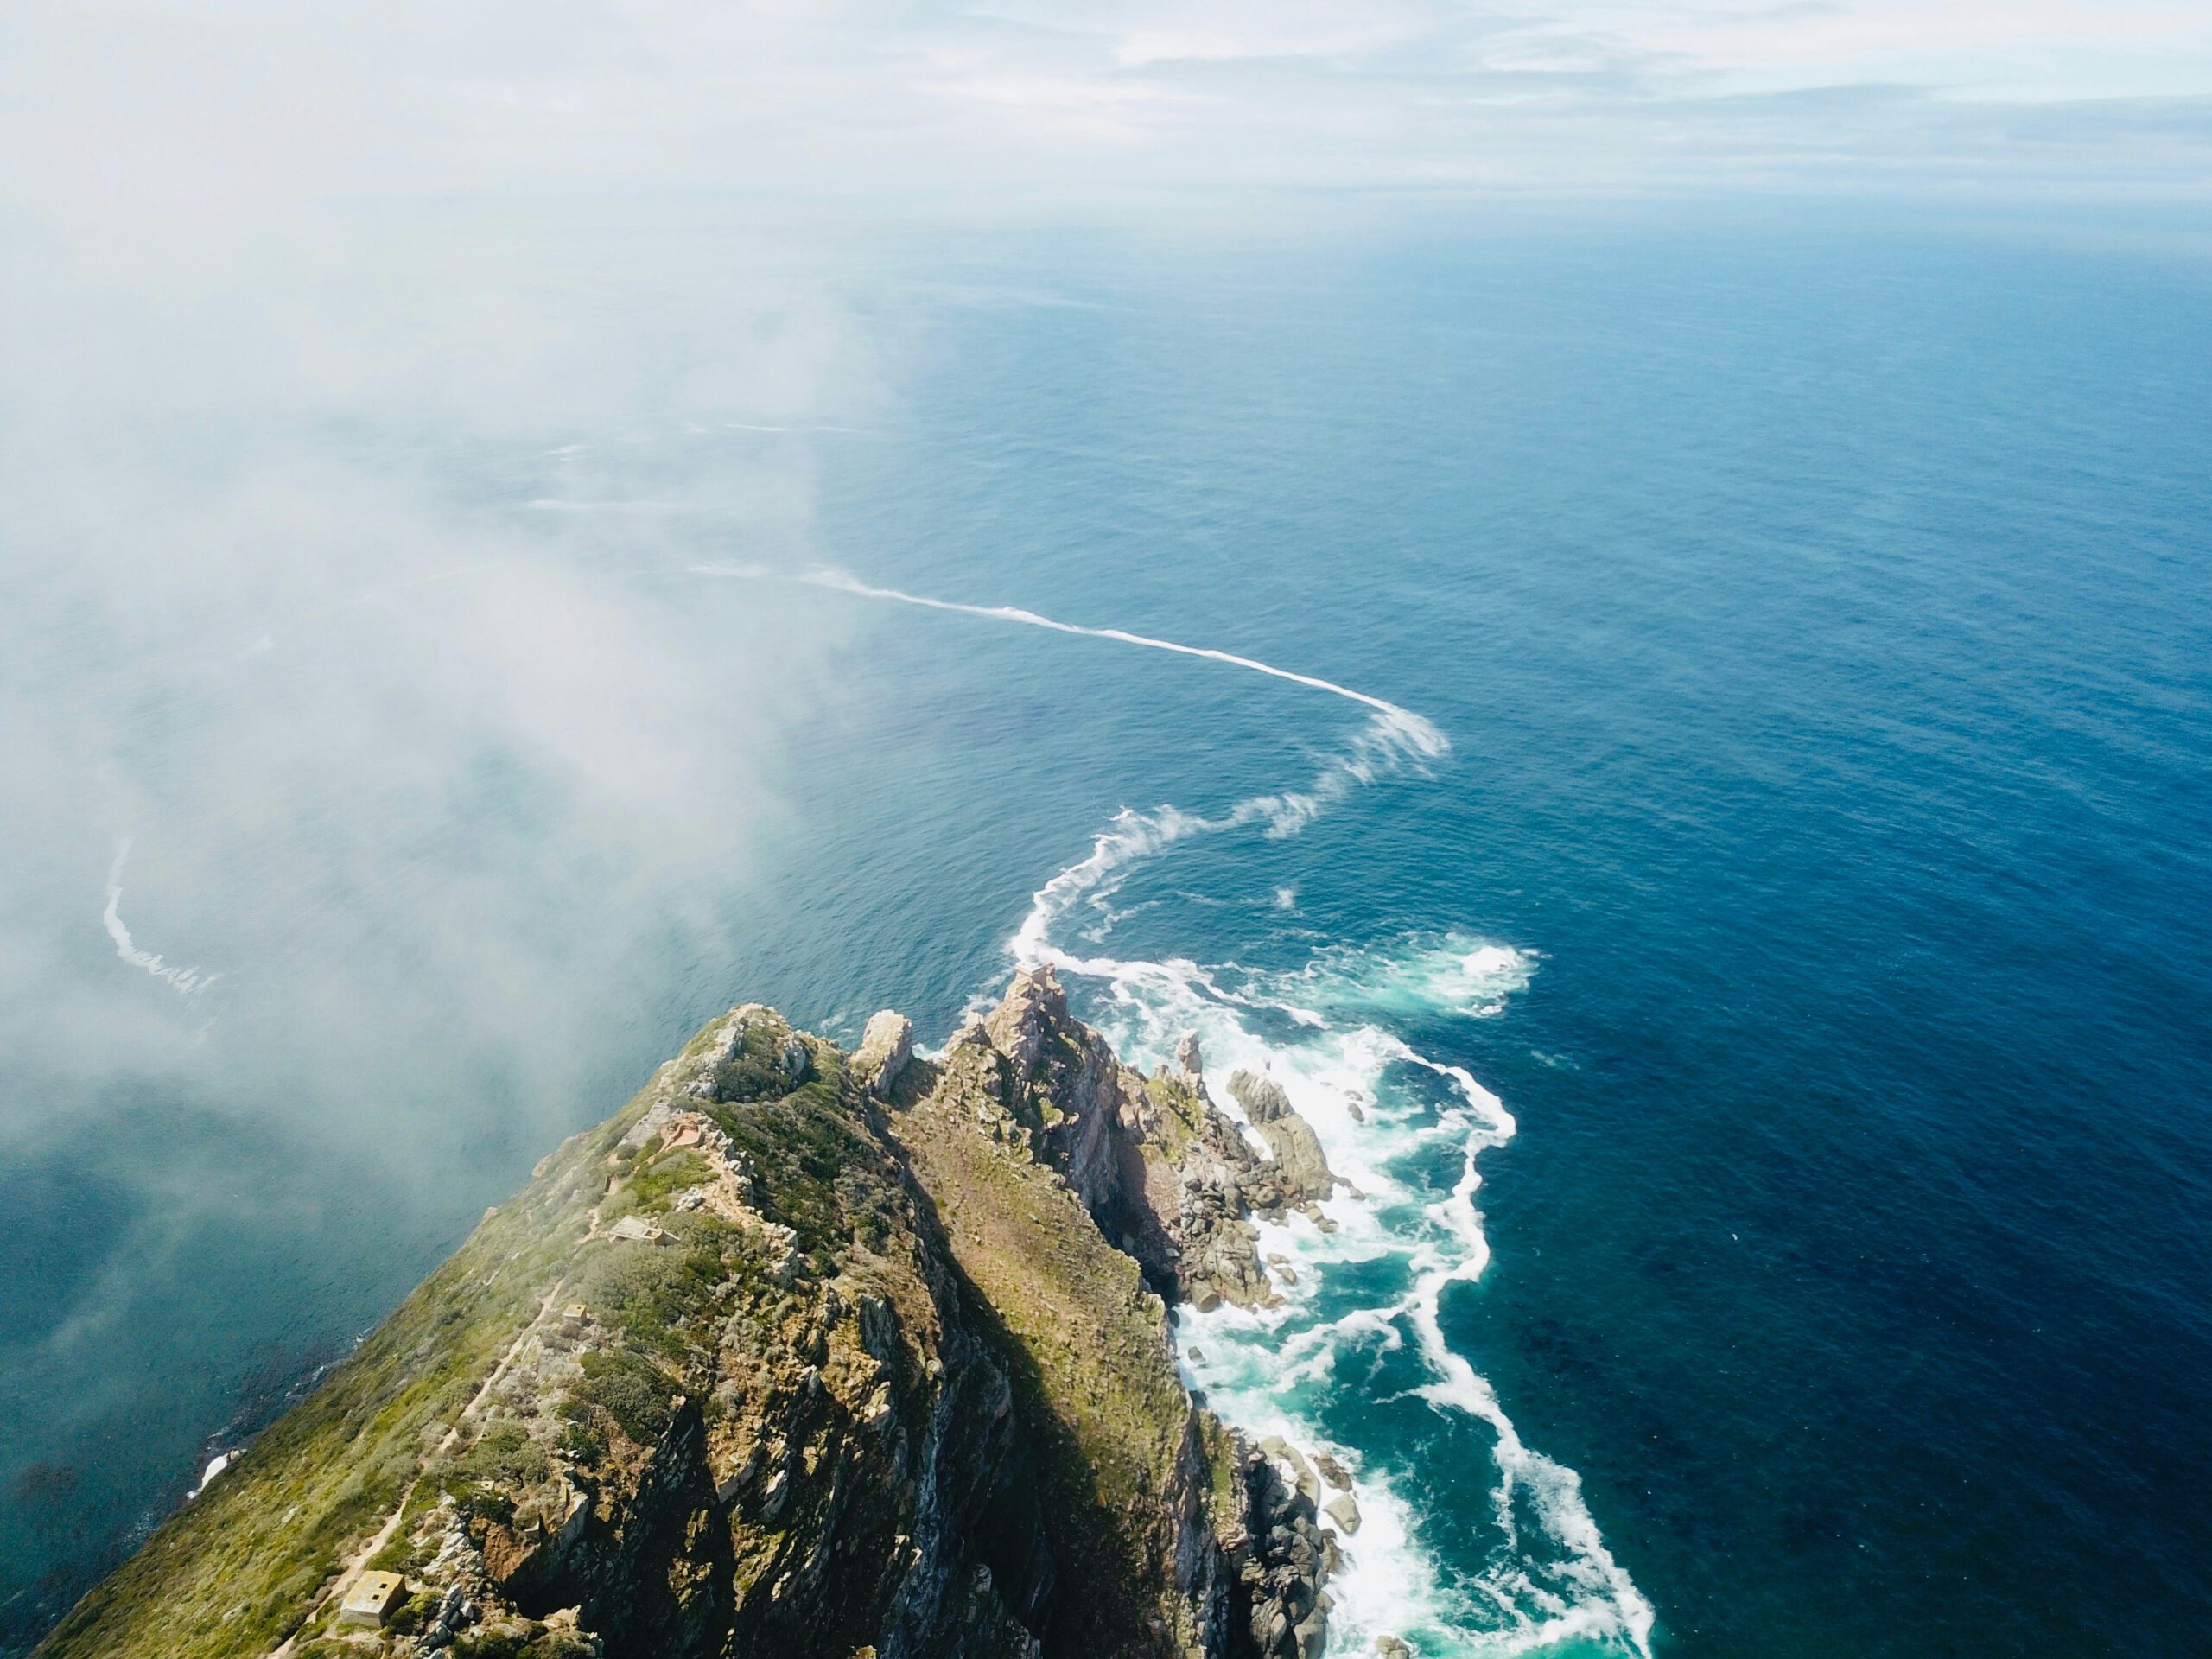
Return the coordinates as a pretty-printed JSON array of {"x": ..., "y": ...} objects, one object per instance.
[{"x": 1682, "y": 744}]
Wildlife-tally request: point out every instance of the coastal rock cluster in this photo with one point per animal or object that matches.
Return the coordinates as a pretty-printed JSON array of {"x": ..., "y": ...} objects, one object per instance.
[
  {"x": 1164, "y": 1173},
  {"x": 800, "y": 1354}
]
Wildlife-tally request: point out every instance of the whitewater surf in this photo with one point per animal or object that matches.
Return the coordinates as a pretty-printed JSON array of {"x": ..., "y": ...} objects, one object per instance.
[{"x": 1405, "y": 1130}]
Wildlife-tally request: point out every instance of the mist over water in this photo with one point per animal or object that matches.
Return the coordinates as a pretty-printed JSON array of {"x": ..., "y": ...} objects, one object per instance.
[
  {"x": 367, "y": 830},
  {"x": 1758, "y": 916}
]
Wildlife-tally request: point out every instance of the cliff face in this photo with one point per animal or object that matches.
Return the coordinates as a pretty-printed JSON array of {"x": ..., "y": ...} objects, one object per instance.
[{"x": 796, "y": 1355}]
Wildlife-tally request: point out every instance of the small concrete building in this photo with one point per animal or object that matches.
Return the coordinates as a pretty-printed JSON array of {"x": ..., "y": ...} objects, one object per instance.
[{"x": 372, "y": 1600}]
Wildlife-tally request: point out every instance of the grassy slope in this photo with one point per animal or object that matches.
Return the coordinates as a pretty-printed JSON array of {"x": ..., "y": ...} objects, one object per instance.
[
  {"x": 234, "y": 1573},
  {"x": 1087, "y": 1346}
]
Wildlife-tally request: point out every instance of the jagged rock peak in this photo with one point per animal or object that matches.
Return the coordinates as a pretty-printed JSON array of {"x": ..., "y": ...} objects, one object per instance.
[
  {"x": 1034, "y": 1006},
  {"x": 1261, "y": 1096},
  {"x": 886, "y": 1046},
  {"x": 1188, "y": 1062},
  {"x": 1300, "y": 1161}
]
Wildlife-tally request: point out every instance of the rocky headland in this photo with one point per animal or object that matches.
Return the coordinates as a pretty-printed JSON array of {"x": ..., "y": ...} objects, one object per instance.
[{"x": 801, "y": 1353}]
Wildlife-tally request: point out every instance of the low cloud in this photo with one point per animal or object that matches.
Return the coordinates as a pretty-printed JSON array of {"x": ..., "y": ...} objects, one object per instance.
[
  {"x": 368, "y": 830},
  {"x": 132, "y": 118},
  {"x": 404, "y": 768}
]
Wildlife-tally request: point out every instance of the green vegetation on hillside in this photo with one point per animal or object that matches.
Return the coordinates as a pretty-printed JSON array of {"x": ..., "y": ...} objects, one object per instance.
[
  {"x": 1087, "y": 1342},
  {"x": 712, "y": 1383}
]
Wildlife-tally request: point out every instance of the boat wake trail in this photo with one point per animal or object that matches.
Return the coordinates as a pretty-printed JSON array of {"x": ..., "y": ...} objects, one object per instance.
[
  {"x": 1408, "y": 728},
  {"x": 186, "y": 982},
  {"x": 1353, "y": 1359}
]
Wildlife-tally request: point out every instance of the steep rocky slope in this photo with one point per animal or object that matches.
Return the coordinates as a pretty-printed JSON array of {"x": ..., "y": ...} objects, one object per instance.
[{"x": 798, "y": 1354}]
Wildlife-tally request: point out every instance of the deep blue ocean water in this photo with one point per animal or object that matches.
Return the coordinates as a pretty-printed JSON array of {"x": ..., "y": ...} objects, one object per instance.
[{"x": 1805, "y": 918}]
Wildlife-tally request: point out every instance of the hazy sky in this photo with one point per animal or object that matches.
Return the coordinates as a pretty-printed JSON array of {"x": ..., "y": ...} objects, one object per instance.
[{"x": 161, "y": 106}]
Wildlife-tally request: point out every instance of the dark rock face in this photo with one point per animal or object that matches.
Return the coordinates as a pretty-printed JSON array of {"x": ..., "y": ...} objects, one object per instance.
[
  {"x": 1281, "y": 1561},
  {"x": 1068, "y": 1084},
  {"x": 655, "y": 1570},
  {"x": 655, "y": 1577}
]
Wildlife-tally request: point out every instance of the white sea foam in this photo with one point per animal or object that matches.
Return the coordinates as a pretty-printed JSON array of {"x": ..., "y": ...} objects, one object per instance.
[
  {"x": 1382, "y": 746},
  {"x": 1413, "y": 730},
  {"x": 1352, "y": 1078},
  {"x": 1549, "y": 1579},
  {"x": 186, "y": 982},
  {"x": 1265, "y": 1370},
  {"x": 1449, "y": 971},
  {"x": 216, "y": 1465}
]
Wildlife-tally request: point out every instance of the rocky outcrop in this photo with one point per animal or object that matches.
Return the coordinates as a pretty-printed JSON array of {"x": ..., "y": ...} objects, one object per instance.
[
  {"x": 1164, "y": 1173},
  {"x": 1282, "y": 1558},
  {"x": 1067, "y": 1085},
  {"x": 1190, "y": 1066},
  {"x": 886, "y": 1046},
  {"x": 1302, "y": 1169},
  {"x": 796, "y": 1355},
  {"x": 1200, "y": 1175}
]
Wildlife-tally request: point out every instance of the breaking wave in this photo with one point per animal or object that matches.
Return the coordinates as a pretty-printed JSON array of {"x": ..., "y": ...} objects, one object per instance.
[
  {"x": 1406, "y": 1131},
  {"x": 1384, "y": 1112}
]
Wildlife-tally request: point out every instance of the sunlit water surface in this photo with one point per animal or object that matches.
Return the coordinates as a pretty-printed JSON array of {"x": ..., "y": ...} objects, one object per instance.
[{"x": 1736, "y": 906}]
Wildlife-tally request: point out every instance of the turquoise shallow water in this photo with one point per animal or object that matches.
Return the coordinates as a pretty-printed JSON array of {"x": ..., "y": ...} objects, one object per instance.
[{"x": 1801, "y": 918}]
